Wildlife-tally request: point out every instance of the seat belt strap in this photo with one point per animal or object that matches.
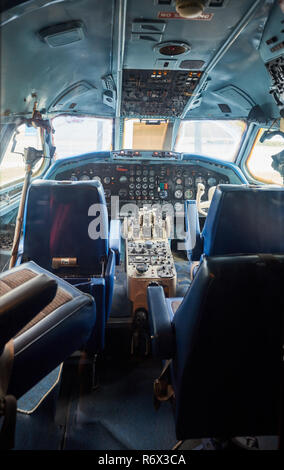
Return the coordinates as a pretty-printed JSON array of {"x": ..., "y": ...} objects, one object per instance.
[
  {"x": 163, "y": 390},
  {"x": 8, "y": 403}
]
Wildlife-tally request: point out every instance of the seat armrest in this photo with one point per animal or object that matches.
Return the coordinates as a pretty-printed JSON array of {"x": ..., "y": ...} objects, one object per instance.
[
  {"x": 21, "y": 304},
  {"x": 162, "y": 332},
  {"x": 115, "y": 238},
  {"x": 193, "y": 241}
]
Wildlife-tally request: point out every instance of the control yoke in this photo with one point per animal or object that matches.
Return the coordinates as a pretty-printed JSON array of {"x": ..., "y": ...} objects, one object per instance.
[{"x": 201, "y": 205}]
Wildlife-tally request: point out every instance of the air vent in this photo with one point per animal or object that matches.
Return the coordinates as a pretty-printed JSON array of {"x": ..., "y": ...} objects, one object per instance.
[
  {"x": 172, "y": 49},
  {"x": 216, "y": 3},
  {"x": 192, "y": 64},
  {"x": 163, "y": 2},
  {"x": 224, "y": 108},
  {"x": 62, "y": 34}
]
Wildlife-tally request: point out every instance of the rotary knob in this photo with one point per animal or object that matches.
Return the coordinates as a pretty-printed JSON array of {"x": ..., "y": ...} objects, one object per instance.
[{"x": 142, "y": 268}]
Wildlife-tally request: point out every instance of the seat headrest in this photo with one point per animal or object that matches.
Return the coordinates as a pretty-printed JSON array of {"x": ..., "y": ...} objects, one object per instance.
[
  {"x": 66, "y": 219},
  {"x": 245, "y": 219}
]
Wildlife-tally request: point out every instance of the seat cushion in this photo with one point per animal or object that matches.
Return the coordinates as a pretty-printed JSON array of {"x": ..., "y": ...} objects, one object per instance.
[
  {"x": 61, "y": 328},
  {"x": 173, "y": 304}
]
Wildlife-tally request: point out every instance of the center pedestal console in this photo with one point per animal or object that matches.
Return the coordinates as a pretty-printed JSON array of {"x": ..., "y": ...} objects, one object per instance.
[{"x": 149, "y": 258}]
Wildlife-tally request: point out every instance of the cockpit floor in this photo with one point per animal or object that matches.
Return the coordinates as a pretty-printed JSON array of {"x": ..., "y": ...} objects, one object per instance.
[{"x": 119, "y": 413}]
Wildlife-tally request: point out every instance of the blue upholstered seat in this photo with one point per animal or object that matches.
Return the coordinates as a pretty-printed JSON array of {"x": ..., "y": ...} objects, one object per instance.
[
  {"x": 68, "y": 221},
  {"x": 52, "y": 332},
  {"x": 241, "y": 219},
  {"x": 225, "y": 341}
]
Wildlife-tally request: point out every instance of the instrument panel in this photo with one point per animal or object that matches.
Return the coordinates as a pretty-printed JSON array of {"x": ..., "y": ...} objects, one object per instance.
[{"x": 147, "y": 181}]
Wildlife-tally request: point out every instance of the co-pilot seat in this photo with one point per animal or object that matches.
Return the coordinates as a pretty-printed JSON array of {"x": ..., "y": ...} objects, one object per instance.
[
  {"x": 224, "y": 342},
  {"x": 242, "y": 219},
  {"x": 225, "y": 336},
  {"x": 66, "y": 231}
]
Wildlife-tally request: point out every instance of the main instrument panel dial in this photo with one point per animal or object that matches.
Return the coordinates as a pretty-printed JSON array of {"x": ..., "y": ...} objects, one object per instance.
[
  {"x": 188, "y": 194},
  {"x": 211, "y": 181},
  {"x": 97, "y": 178},
  {"x": 84, "y": 177},
  {"x": 200, "y": 179},
  {"x": 178, "y": 194}
]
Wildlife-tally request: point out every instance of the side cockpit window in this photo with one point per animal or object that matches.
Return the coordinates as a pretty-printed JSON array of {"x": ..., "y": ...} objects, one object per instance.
[
  {"x": 12, "y": 167},
  {"x": 262, "y": 162}
]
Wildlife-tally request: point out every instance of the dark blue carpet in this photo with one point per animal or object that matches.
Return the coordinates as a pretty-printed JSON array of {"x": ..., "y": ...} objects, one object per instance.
[
  {"x": 28, "y": 402},
  {"x": 120, "y": 415}
]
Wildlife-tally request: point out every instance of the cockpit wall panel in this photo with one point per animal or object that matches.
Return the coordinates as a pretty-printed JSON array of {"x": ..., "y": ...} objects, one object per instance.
[{"x": 36, "y": 71}]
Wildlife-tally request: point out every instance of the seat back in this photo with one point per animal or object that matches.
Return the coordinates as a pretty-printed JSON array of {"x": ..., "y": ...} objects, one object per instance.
[
  {"x": 66, "y": 220},
  {"x": 243, "y": 219},
  {"x": 229, "y": 336}
]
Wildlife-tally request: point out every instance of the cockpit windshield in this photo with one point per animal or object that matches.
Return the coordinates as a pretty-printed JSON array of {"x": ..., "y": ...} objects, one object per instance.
[
  {"x": 220, "y": 139},
  {"x": 75, "y": 135},
  {"x": 217, "y": 139}
]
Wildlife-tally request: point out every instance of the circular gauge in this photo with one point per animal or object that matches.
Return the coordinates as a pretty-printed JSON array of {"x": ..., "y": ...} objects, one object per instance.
[
  {"x": 122, "y": 193},
  {"x": 188, "y": 181},
  {"x": 131, "y": 186},
  {"x": 138, "y": 186},
  {"x": 178, "y": 194},
  {"x": 199, "y": 179},
  {"x": 188, "y": 194},
  {"x": 152, "y": 172},
  {"x": 73, "y": 177},
  {"x": 84, "y": 177},
  {"x": 178, "y": 181},
  {"x": 106, "y": 180},
  {"x": 211, "y": 181},
  {"x": 123, "y": 179},
  {"x": 97, "y": 178}
]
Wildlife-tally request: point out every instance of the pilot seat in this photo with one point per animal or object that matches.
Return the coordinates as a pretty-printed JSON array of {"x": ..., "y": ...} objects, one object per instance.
[{"x": 66, "y": 231}]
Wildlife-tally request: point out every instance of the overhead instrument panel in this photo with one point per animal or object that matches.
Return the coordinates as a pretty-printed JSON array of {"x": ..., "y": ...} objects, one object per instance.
[{"x": 157, "y": 92}]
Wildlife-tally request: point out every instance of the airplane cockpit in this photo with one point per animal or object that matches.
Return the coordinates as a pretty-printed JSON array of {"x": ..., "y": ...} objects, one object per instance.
[{"x": 142, "y": 227}]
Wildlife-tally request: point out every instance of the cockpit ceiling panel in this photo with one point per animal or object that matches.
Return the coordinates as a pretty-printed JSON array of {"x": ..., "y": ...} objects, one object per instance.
[{"x": 205, "y": 36}]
